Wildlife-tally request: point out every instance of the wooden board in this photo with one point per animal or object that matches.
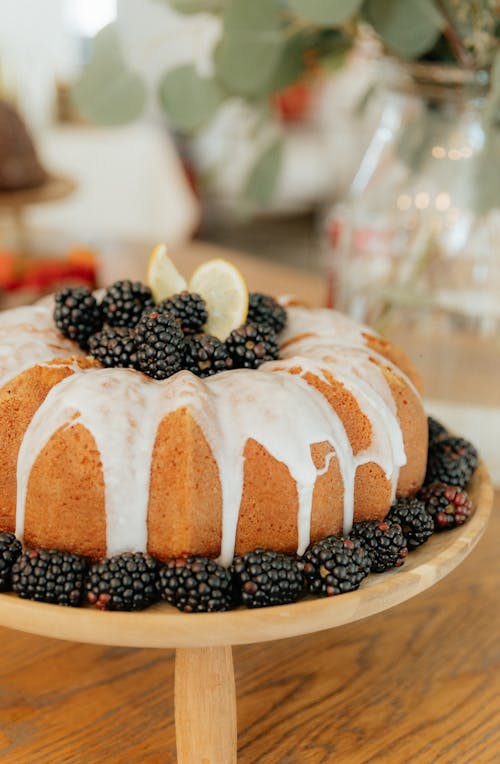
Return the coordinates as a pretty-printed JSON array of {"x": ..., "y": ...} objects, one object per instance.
[{"x": 164, "y": 626}]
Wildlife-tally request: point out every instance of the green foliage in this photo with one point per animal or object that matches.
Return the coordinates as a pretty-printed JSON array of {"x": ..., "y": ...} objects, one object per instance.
[
  {"x": 196, "y": 6},
  {"x": 263, "y": 177},
  {"x": 408, "y": 28},
  {"x": 188, "y": 99},
  {"x": 291, "y": 63},
  {"x": 108, "y": 92},
  {"x": 263, "y": 49},
  {"x": 251, "y": 46},
  {"x": 325, "y": 13}
]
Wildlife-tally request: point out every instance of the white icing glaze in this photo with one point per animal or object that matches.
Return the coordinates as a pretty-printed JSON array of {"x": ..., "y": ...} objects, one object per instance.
[
  {"x": 122, "y": 409},
  {"x": 322, "y": 333},
  {"x": 375, "y": 402},
  {"x": 322, "y": 321},
  {"x": 28, "y": 337},
  {"x": 38, "y": 316},
  {"x": 272, "y": 409}
]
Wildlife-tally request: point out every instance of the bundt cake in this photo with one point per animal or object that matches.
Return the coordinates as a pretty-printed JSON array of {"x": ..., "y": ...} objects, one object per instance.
[{"x": 100, "y": 461}]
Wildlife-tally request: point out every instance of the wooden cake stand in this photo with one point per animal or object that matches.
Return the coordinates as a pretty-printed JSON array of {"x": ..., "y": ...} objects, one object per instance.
[
  {"x": 205, "y": 693},
  {"x": 55, "y": 189}
]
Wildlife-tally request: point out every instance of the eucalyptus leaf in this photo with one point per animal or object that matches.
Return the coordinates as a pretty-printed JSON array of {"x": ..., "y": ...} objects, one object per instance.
[
  {"x": 196, "y": 6},
  {"x": 330, "y": 46},
  {"x": 325, "y": 12},
  {"x": 291, "y": 63},
  {"x": 251, "y": 46},
  {"x": 336, "y": 57},
  {"x": 108, "y": 92},
  {"x": 188, "y": 99},
  {"x": 408, "y": 28},
  {"x": 263, "y": 177}
]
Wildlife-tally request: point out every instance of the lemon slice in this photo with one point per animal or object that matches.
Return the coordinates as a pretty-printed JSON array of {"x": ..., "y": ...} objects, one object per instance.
[
  {"x": 162, "y": 276},
  {"x": 224, "y": 290}
]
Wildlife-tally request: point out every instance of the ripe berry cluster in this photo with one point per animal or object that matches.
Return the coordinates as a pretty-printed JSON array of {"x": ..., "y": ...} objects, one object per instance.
[
  {"x": 128, "y": 330},
  {"x": 260, "y": 578}
]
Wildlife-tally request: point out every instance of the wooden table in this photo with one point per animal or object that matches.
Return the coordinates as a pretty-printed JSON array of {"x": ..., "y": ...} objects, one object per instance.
[{"x": 418, "y": 683}]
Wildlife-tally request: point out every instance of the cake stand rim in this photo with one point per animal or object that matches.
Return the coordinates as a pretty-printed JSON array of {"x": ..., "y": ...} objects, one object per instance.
[
  {"x": 55, "y": 187},
  {"x": 163, "y": 626}
]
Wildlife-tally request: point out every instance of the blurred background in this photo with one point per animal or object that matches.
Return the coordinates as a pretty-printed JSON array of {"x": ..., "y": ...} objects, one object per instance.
[
  {"x": 145, "y": 170},
  {"x": 356, "y": 140}
]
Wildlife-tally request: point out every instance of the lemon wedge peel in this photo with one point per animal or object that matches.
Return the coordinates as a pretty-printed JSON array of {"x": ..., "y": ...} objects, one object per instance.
[
  {"x": 225, "y": 292},
  {"x": 162, "y": 276}
]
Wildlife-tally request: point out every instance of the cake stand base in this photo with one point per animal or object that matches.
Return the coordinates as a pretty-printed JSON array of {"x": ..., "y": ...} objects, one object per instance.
[
  {"x": 205, "y": 695},
  {"x": 205, "y": 706}
]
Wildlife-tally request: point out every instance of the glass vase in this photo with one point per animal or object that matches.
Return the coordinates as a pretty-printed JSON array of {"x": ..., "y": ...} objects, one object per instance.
[{"x": 414, "y": 248}]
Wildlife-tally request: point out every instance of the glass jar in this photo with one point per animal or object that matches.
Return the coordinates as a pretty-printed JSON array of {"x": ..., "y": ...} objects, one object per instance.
[{"x": 414, "y": 248}]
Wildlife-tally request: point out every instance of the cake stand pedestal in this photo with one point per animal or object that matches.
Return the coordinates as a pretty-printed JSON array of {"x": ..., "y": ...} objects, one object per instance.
[
  {"x": 205, "y": 694},
  {"x": 55, "y": 189}
]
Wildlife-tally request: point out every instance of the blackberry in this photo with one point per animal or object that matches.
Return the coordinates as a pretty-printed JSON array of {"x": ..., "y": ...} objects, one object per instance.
[
  {"x": 188, "y": 309},
  {"x": 384, "y": 541},
  {"x": 125, "y": 582},
  {"x": 10, "y": 549},
  {"x": 114, "y": 346},
  {"x": 416, "y": 522},
  {"x": 334, "y": 565},
  {"x": 160, "y": 345},
  {"x": 196, "y": 585},
  {"x": 125, "y": 301},
  {"x": 451, "y": 460},
  {"x": 263, "y": 578},
  {"x": 206, "y": 355},
  {"x": 77, "y": 314},
  {"x": 48, "y": 575},
  {"x": 264, "y": 309},
  {"x": 251, "y": 345},
  {"x": 437, "y": 431},
  {"x": 447, "y": 504}
]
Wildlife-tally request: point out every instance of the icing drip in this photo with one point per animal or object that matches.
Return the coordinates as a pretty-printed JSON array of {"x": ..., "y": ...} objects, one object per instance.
[
  {"x": 323, "y": 322},
  {"x": 28, "y": 337},
  {"x": 123, "y": 409},
  {"x": 321, "y": 333},
  {"x": 271, "y": 409},
  {"x": 375, "y": 402}
]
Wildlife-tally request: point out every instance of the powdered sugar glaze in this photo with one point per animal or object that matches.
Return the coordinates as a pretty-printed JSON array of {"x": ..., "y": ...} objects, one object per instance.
[
  {"x": 29, "y": 337},
  {"x": 123, "y": 409}
]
